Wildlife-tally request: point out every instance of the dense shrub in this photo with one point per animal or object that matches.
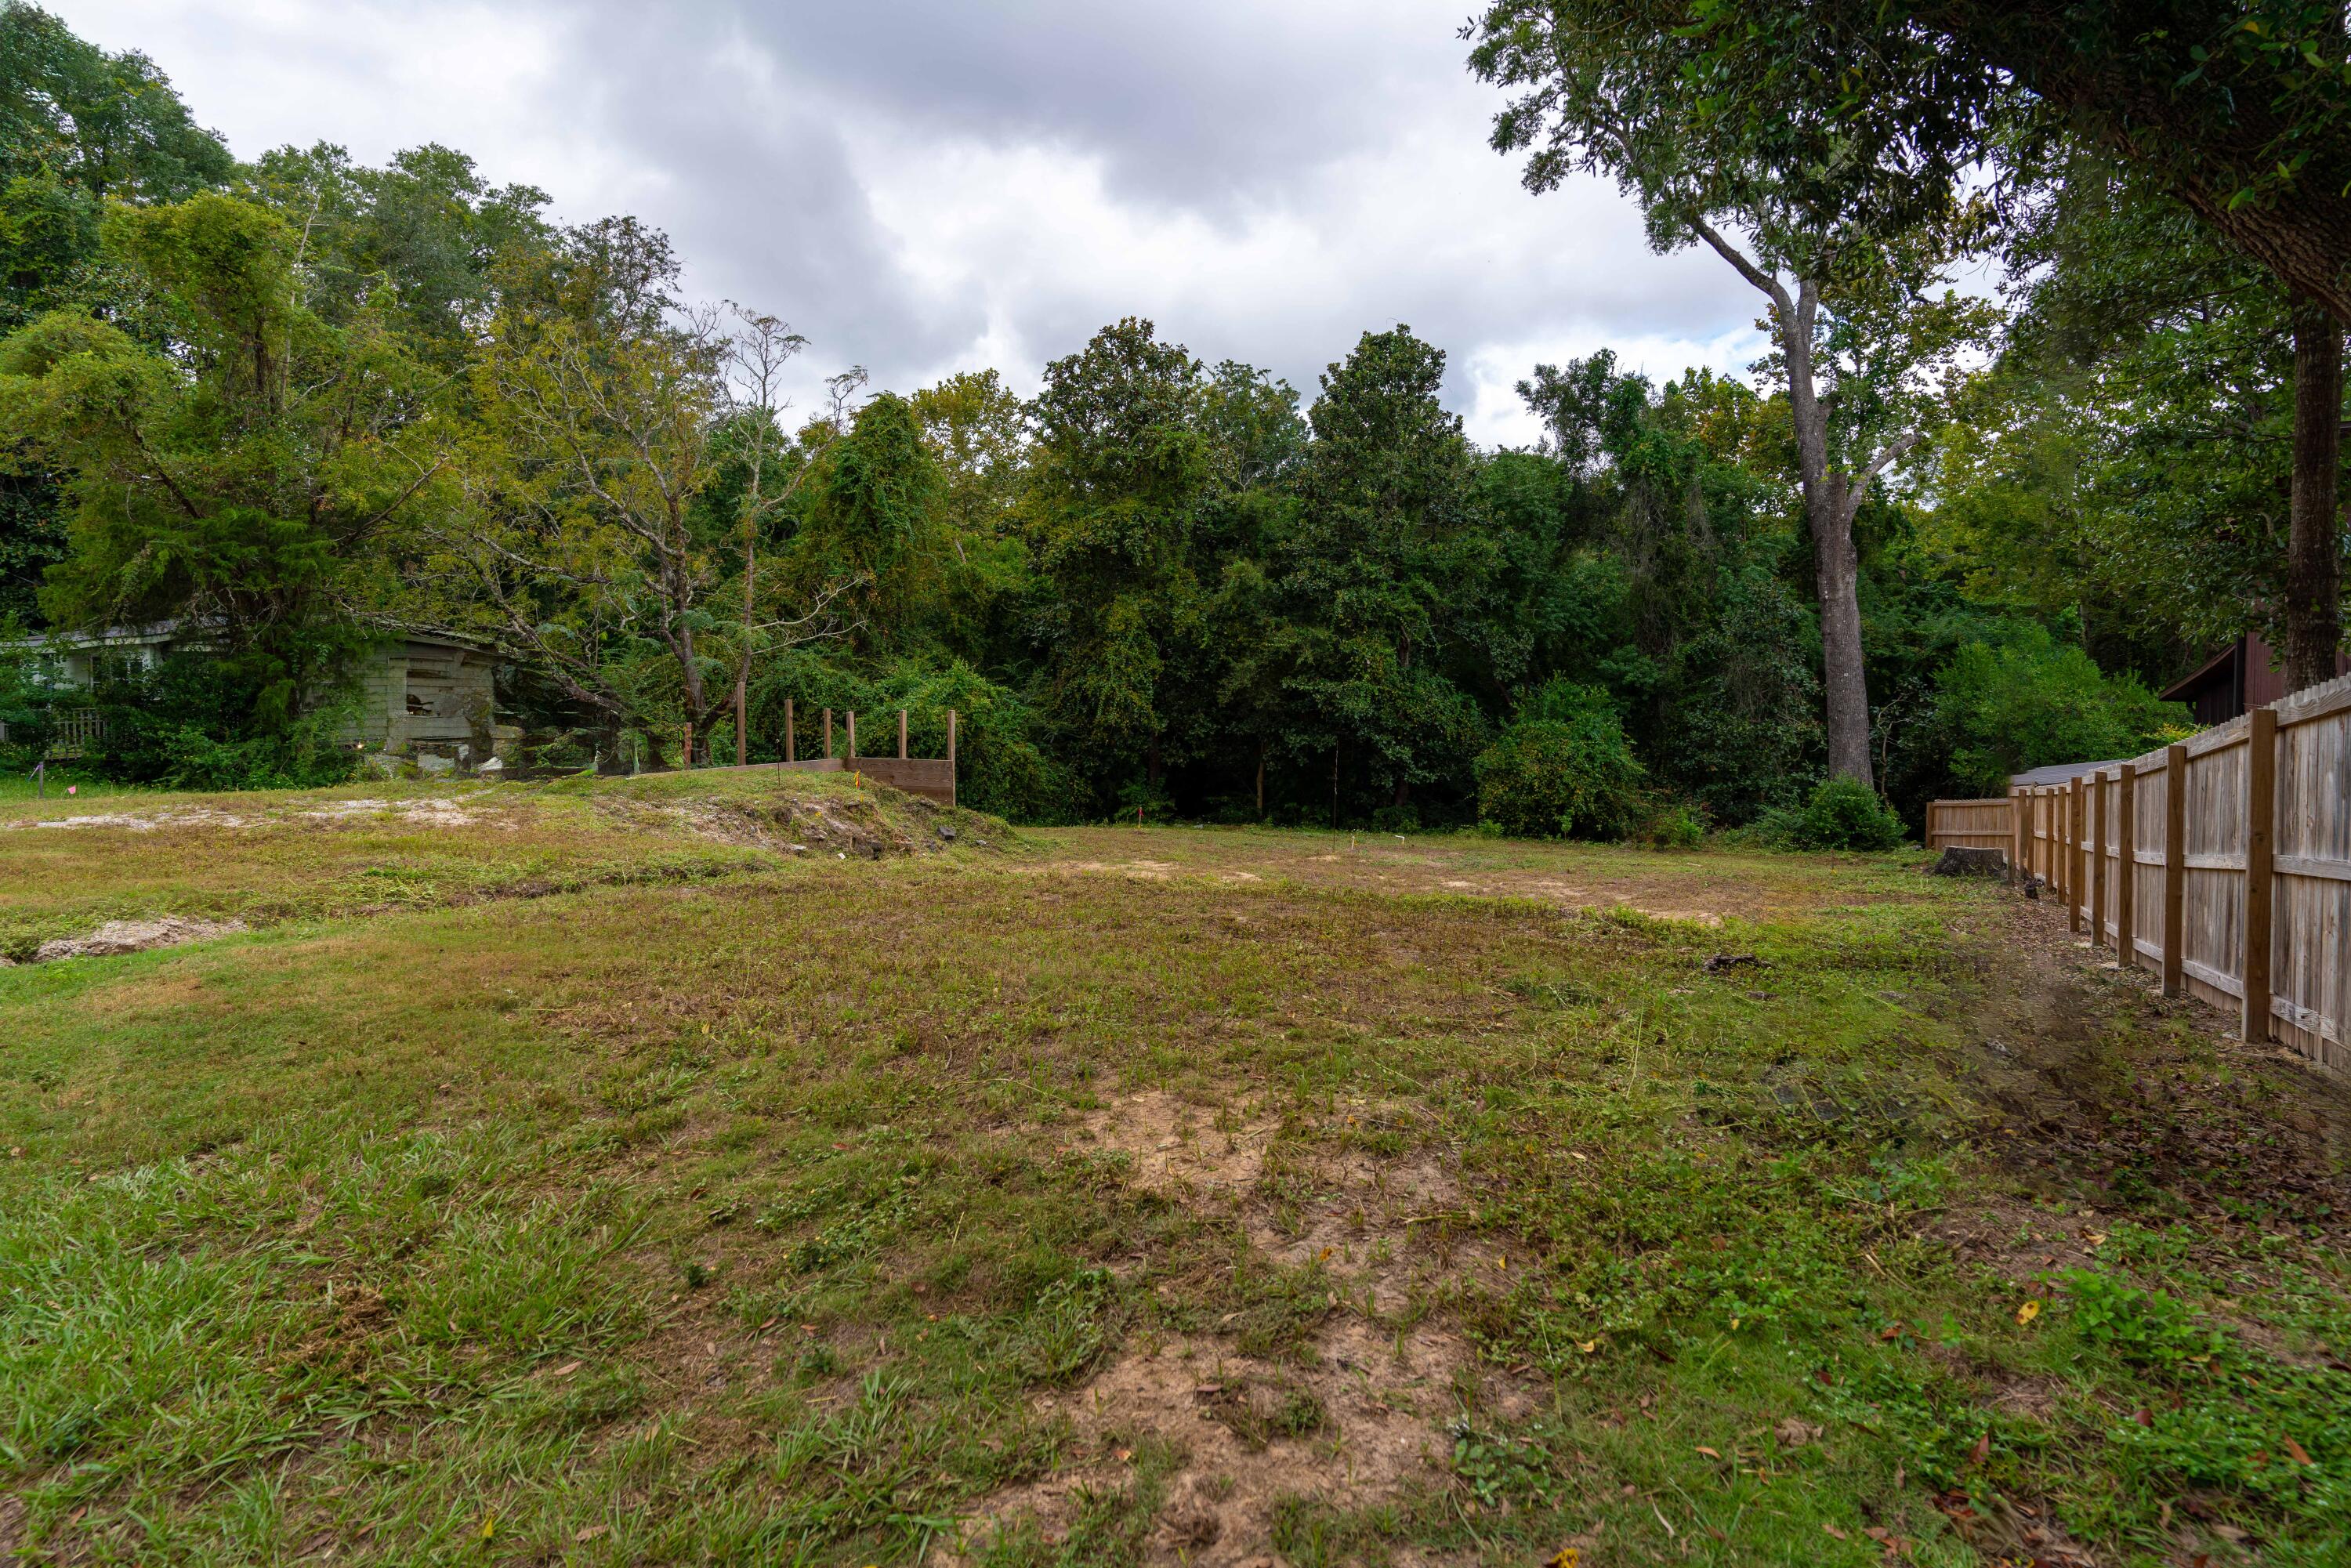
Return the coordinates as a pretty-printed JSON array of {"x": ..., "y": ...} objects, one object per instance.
[
  {"x": 195, "y": 722},
  {"x": 1568, "y": 770},
  {"x": 1843, "y": 814},
  {"x": 1673, "y": 825}
]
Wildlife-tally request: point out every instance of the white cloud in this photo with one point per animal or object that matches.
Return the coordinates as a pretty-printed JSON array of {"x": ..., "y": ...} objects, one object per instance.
[{"x": 928, "y": 186}]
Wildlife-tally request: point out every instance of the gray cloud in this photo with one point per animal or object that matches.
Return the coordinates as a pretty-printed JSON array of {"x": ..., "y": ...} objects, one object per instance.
[{"x": 923, "y": 186}]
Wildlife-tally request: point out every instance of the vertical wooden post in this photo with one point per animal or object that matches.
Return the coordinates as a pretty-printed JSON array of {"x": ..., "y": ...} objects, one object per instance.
[
  {"x": 2019, "y": 834},
  {"x": 2175, "y": 869},
  {"x": 792, "y": 745},
  {"x": 2126, "y": 865},
  {"x": 827, "y": 735},
  {"x": 901, "y": 734},
  {"x": 951, "y": 792},
  {"x": 852, "y": 735},
  {"x": 742, "y": 731},
  {"x": 2077, "y": 804},
  {"x": 689, "y": 746},
  {"x": 2261, "y": 811},
  {"x": 2099, "y": 808}
]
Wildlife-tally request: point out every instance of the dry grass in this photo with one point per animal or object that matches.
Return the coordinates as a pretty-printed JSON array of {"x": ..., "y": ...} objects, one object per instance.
[{"x": 1099, "y": 1196}]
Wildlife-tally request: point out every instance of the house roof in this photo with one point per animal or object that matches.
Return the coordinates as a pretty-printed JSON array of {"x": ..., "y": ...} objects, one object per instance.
[
  {"x": 2178, "y": 690},
  {"x": 2058, "y": 772},
  {"x": 167, "y": 630}
]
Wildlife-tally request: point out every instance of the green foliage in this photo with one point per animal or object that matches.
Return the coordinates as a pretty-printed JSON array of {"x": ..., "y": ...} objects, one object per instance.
[
  {"x": 1842, "y": 813},
  {"x": 2000, "y": 710},
  {"x": 1566, "y": 770}
]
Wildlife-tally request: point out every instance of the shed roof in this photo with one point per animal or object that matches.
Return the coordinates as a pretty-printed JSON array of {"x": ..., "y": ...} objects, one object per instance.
[{"x": 2058, "y": 772}]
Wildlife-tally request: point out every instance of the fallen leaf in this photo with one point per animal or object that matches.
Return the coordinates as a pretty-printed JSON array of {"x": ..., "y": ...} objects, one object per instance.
[
  {"x": 1566, "y": 1557},
  {"x": 2027, "y": 1312},
  {"x": 591, "y": 1531},
  {"x": 1834, "y": 1533},
  {"x": 1125, "y": 1455},
  {"x": 1891, "y": 1331},
  {"x": 489, "y": 1526},
  {"x": 2294, "y": 1451},
  {"x": 1982, "y": 1451},
  {"x": 1587, "y": 1345},
  {"x": 1709, "y": 1453},
  {"x": 1794, "y": 1433},
  {"x": 566, "y": 1369}
]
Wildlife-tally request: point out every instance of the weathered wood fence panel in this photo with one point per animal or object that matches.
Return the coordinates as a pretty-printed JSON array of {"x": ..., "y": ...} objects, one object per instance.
[
  {"x": 1969, "y": 825},
  {"x": 2224, "y": 863}
]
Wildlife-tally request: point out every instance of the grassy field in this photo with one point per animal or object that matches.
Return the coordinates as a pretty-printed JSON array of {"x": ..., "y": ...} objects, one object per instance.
[{"x": 740, "y": 1168}]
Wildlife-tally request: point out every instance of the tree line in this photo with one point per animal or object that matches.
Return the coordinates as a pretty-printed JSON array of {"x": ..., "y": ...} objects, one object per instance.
[{"x": 1938, "y": 534}]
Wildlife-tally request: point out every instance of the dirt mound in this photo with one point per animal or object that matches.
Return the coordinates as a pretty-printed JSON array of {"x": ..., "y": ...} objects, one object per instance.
[
  {"x": 118, "y": 936},
  {"x": 814, "y": 825},
  {"x": 1351, "y": 1427}
]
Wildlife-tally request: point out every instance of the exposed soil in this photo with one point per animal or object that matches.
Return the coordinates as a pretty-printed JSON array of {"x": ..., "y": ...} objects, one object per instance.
[
  {"x": 119, "y": 937},
  {"x": 2105, "y": 1092},
  {"x": 1356, "y": 1424},
  {"x": 804, "y": 826}
]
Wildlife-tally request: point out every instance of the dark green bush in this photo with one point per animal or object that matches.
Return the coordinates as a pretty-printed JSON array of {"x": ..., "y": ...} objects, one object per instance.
[
  {"x": 1568, "y": 773},
  {"x": 1843, "y": 814},
  {"x": 196, "y": 722}
]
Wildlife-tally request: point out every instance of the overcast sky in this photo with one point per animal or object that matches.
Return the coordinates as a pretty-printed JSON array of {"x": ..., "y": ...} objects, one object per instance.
[{"x": 924, "y": 186}]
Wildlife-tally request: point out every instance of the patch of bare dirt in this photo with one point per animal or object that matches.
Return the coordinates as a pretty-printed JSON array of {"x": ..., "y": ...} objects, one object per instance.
[
  {"x": 1180, "y": 1149},
  {"x": 1379, "y": 1225},
  {"x": 430, "y": 811},
  {"x": 2139, "y": 1101},
  {"x": 195, "y": 817},
  {"x": 1355, "y": 1425},
  {"x": 119, "y": 937}
]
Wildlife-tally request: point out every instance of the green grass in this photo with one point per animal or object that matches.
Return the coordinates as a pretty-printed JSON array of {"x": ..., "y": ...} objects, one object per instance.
[
  {"x": 18, "y": 783},
  {"x": 757, "y": 1213}
]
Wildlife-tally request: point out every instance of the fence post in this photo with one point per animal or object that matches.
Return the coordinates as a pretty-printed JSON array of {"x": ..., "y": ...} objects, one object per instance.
[
  {"x": 901, "y": 734},
  {"x": 791, "y": 750},
  {"x": 2018, "y": 829},
  {"x": 2099, "y": 808},
  {"x": 2127, "y": 864},
  {"x": 689, "y": 746},
  {"x": 2078, "y": 801},
  {"x": 852, "y": 735},
  {"x": 827, "y": 735},
  {"x": 2260, "y": 810},
  {"x": 2175, "y": 869},
  {"x": 951, "y": 759}
]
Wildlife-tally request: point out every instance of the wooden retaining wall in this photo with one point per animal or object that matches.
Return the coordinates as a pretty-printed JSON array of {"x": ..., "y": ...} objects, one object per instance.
[
  {"x": 933, "y": 777},
  {"x": 2223, "y": 863}
]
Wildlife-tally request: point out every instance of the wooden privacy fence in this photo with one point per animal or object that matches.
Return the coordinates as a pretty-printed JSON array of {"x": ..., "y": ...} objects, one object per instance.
[
  {"x": 2224, "y": 863},
  {"x": 1969, "y": 825}
]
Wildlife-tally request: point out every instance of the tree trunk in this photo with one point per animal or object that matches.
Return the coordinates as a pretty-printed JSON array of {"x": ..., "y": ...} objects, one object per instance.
[
  {"x": 1151, "y": 765},
  {"x": 2313, "y": 620},
  {"x": 1844, "y": 679},
  {"x": 1260, "y": 781}
]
